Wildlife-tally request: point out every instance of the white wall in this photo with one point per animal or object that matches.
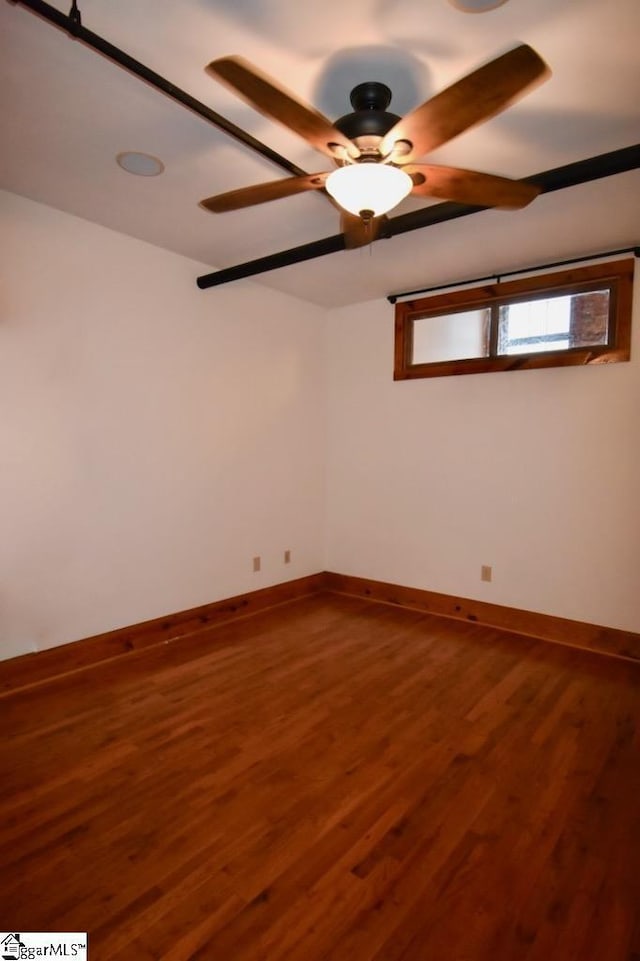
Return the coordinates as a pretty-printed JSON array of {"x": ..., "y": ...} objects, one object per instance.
[
  {"x": 536, "y": 473},
  {"x": 154, "y": 437}
]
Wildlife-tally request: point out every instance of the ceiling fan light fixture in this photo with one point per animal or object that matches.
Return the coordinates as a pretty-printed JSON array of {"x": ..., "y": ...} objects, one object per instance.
[{"x": 373, "y": 187}]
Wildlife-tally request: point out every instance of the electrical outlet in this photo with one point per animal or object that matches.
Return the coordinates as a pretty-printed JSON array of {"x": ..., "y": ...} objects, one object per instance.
[
  {"x": 486, "y": 572},
  {"x": 256, "y": 564},
  {"x": 287, "y": 557}
]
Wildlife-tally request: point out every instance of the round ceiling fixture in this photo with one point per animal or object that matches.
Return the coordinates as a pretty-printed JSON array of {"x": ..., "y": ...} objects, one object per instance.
[
  {"x": 476, "y": 6},
  {"x": 140, "y": 164}
]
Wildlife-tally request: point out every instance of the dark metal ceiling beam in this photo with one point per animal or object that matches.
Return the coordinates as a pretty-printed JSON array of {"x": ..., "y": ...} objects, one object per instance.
[
  {"x": 570, "y": 175},
  {"x": 72, "y": 25}
]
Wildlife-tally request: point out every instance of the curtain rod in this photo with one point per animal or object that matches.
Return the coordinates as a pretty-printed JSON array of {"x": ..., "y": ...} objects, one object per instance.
[{"x": 392, "y": 298}]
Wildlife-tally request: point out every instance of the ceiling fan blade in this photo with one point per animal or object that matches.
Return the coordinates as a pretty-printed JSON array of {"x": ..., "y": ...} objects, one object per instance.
[
  {"x": 358, "y": 232},
  {"x": 470, "y": 187},
  {"x": 262, "y": 193},
  {"x": 269, "y": 98},
  {"x": 478, "y": 96}
]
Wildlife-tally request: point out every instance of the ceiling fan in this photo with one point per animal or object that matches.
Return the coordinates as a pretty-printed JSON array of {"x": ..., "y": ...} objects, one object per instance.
[{"x": 375, "y": 152}]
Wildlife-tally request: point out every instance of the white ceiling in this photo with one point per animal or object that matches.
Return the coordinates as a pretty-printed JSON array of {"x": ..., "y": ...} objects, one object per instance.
[{"x": 67, "y": 112}]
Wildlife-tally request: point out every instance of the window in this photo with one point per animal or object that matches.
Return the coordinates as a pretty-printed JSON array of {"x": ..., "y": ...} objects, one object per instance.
[{"x": 579, "y": 316}]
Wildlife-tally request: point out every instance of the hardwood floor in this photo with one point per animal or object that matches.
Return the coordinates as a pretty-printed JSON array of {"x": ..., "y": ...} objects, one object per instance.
[{"x": 330, "y": 780}]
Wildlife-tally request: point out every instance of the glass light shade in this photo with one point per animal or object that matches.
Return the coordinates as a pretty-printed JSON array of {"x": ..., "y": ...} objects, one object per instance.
[{"x": 368, "y": 186}]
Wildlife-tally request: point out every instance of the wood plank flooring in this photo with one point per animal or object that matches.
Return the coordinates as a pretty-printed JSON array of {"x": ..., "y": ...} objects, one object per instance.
[{"x": 330, "y": 780}]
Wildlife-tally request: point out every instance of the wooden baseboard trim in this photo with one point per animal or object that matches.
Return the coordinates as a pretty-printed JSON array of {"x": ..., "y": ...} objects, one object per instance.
[
  {"x": 41, "y": 666},
  {"x": 546, "y": 627},
  {"x": 29, "y": 669}
]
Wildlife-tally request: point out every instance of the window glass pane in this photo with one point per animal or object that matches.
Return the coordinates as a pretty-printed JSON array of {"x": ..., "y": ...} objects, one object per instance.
[
  {"x": 536, "y": 347},
  {"x": 554, "y": 323},
  {"x": 451, "y": 337}
]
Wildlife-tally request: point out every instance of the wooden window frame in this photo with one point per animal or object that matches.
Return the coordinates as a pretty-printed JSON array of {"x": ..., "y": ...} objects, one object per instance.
[{"x": 616, "y": 276}]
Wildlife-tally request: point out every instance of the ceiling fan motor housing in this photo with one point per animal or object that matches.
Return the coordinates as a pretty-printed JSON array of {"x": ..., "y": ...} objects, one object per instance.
[{"x": 370, "y": 117}]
